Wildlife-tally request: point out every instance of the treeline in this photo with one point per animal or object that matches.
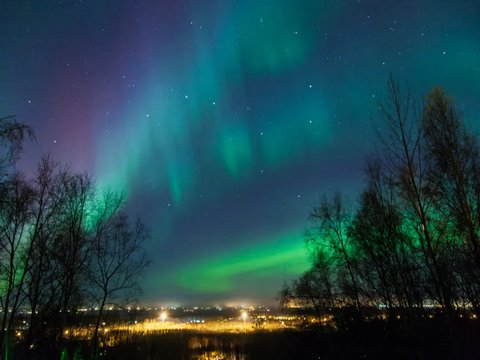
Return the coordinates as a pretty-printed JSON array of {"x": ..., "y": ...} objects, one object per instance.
[
  {"x": 64, "y": 244},
  {"x": 410, "y": 246}
]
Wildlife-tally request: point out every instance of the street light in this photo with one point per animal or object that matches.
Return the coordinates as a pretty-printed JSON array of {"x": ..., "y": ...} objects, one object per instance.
[
  {"x": 163, "y": 316},
  {"x": 244, "y": 316}
]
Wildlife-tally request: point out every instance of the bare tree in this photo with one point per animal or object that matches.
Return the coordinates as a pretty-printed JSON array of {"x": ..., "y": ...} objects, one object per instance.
[
  {"x": 330, "y": 220},
  {"x": 455, "y": 169},
  {"x": 41, "y": 287},
  {"x": 414, "y": 239},
  {"x": 16, "y": 196},
  {"x": 60, "y": 241},
  {"x": 74, "y": 223},
  {"x": 388, "y": 260},
  {"x": 12, "y": 136},
  {"x": 118, "y": 261},
  {"x": 404, "y": 156},
  {"x": 70, "y": 248},
  {"x": 316, "y": 288},
  {"x": 15, "y": 216}
]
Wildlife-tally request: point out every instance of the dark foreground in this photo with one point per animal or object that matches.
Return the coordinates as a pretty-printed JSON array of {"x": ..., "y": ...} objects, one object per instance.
[{"x": 372, "y": 341}]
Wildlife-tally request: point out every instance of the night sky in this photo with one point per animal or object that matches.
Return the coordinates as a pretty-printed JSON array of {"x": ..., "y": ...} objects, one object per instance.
[{"x": 223, "y": 121}]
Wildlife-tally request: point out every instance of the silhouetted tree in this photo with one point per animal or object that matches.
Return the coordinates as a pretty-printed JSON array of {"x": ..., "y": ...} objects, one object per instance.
[
  {"x": 405, "y": 158},
  {"x": 118, "y": 261},
  {"x": 455, "y": 170},
  {"x": 12, "y": 136},
  {"x": 15, "y": 199},
  {"x": 41, "y": 284},
  {"x": 330, "y": 220},
  {"x": 414, "y": 238},
  {"x": 61, "y": 241},
  {"x": 16, "y": 215},
  {"x": 316, "y": 288},
  {"x": 388, "y": 261}
]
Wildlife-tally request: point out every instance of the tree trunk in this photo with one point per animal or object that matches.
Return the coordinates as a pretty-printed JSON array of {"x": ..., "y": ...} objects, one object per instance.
[{"x": 97, "y": 326}]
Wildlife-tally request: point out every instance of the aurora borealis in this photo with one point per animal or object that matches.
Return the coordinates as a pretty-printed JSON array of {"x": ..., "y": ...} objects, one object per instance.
[{"x": 223, "y": 121}]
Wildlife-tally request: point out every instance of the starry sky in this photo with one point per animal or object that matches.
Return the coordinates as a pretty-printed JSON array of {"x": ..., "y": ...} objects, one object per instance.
[{"x": 223, "y": 121}]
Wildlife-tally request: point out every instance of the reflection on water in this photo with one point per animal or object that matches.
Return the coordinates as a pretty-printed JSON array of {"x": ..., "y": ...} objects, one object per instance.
[
  {"x": 184, "y": 345},
  {"x": 211, "y": 348},
  {"x": 216, "y": 355}
]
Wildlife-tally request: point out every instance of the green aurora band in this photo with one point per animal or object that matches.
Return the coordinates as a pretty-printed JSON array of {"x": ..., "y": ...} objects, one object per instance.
[{"x": 219, "y": 273}]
